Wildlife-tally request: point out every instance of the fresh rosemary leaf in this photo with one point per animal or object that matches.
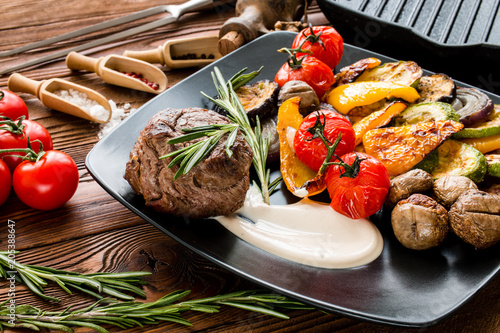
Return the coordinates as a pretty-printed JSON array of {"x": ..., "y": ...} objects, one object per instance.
[{"x": 36, "y": 277}]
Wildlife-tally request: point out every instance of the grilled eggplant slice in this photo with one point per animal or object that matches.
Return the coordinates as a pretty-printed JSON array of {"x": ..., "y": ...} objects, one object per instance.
[
  {"x": 350, "y": 73},
  {"x": 402, "y": 72},
  {"x": 259, "y": 98},
  {"x": 423, "y": 112},
  {"x": 472, "y": 105},
  {"x": 436, "y": 88}
]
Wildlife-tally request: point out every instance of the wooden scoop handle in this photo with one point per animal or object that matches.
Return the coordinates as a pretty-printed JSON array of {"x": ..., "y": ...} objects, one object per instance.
[
  {"x": 154, "y": 56},
  {"x": 77, "y": 61},
  {"x": 17, "y": 82}
]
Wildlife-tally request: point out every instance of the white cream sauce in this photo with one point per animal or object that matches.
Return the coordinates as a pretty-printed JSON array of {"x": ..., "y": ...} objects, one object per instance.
[{"x": 307, "y": 232}]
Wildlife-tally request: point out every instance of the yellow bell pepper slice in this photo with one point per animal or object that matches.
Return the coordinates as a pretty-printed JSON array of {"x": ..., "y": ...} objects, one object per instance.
[
  {"x": 298, "y": 178},
  {"x": 377, "y": 119},
  {"x": 484, "y": 145},
  {"x": 347, "y": 96}
]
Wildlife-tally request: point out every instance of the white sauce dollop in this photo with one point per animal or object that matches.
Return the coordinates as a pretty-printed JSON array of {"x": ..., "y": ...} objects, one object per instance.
[{"x": 307, "y": 232}]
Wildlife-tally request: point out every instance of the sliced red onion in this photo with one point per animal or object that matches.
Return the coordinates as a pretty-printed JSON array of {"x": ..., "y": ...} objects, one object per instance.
[{"x": 472, "y": 105}]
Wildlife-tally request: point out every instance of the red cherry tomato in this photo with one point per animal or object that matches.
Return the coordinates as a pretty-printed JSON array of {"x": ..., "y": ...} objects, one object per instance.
[
  {"x": 5, "y": 182},
  {"x": 362, "y": 195},
  {"x": 325, "y": 43},
  {"x": 18, "y": 139},
  {"x": 313, "y": 152},
  {"x": 47, "y": 183},
  {"x": 312, "y": 71},
  {"x": 12, "y": 106}
]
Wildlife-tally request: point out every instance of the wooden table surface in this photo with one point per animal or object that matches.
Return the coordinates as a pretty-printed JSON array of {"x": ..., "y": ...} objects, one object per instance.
[{"x": 93, "y": 232}]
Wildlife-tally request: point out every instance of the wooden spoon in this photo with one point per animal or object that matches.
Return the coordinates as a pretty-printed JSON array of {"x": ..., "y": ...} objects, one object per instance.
[
  {"x": 46, "y": 91},
  {"x": 113, "y": 69},
  {"x": 174, "y": 53}
]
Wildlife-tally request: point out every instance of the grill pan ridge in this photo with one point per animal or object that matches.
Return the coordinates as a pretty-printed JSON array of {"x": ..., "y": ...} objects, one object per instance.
[{"x": 441, "y": 35}]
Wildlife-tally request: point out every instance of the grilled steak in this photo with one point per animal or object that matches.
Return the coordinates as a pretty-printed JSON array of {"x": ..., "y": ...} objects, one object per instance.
[{"x": 216, "y": 186}]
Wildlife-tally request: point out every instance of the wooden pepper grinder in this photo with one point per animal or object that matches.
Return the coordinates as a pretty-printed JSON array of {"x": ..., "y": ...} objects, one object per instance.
[{"x": 257, "y": 17}]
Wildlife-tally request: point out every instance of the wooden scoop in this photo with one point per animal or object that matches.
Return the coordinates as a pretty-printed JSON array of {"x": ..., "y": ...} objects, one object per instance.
[
  {"x": 176, "y": 53},
  {"x": 113, "y": 69},
  {"x": 46, "y": 90}
]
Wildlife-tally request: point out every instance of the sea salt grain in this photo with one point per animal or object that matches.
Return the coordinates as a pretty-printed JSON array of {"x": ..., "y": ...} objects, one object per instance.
[
  {"x": 81, "y": 99},
  {"x": 117, "y": 115}
]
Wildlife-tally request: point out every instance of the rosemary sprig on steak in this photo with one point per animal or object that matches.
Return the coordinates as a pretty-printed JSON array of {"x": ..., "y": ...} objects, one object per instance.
[
  {"x": 190, "y": 156},
  {"x": 36, "y": 277},
  {"x": 130, "y": 314},
  {"x": 229, "y": 101}
]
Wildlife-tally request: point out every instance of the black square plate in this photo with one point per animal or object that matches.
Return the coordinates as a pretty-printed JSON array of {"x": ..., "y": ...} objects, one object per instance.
[{"x": 401, "y": 287}]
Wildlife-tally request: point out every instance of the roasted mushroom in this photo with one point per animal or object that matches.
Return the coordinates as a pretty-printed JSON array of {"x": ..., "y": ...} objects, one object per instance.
[
  {"x": 419, "y": 222},
  {"x": 402, "y": 186},
  {"x": 447, "y": 189},
  {"x": 475, "y": 218},
  {"x": 309, "y": 100}
]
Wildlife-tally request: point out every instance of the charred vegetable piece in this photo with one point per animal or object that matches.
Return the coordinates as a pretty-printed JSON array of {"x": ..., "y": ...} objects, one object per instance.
[
  {"x": 347, "y": 96},
  {"x": 447, "y": 189},
  {"x": 350, "y": 73},
  {"x": 309, "y": 100},
  {"x": 419, "y": 222},
  {"x": 493, "y": 161},
  {"x": 376, "y": 119},
  {"x": 475, "y": 218},
  {"x": 484, "y": 145},
  {"x": 298, "y": 178},
  {"x": 259, "y": 98},
  {"x": 401, "y": 148},
  {"x": 269, "y": 130},
  {"x": 426, "y": 112},
  {"x": 472, "y": 105},
  {"x": 429, "y": 162},
  {"x": 460, "y": 159},
  {"x": 402, "y": 186},
  {"x": 436, "y": 88},
  {"x": 403, "y": 72},
  {"x": 487, "y": 127}
]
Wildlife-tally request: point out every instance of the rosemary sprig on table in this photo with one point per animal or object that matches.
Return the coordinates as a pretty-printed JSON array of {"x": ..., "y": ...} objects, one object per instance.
[
  {"x": 36, "y": 277},
  {"x": 130, "y": 314},
  {"x": 190, "y": 156}
]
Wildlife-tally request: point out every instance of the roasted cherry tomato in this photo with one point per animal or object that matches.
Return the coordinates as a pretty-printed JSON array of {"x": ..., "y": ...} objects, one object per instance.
[
  {"x": 309, "y": 69},
  {"x": 325, "y": 43},
  {"x": 5, "y": 182},
  {"x": 14, "y": 134},
  {"x": 359, "y": 189},
  {"x": 312, "y": 152},
  {"x": 47, "y": 183},
  {"x": 12, "y": 106}
]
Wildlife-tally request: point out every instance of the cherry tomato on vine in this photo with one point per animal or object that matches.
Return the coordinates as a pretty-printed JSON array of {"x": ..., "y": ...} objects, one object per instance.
[
  {"x": 46, "y": 183},
  {"x": 313, "y": 151},
  {"x": 309, "y": 69},
  {"x": 12, "y": 106},
  {"x": 14, "y": 134},
  {"x": 5, "y": 182},
  {"x": 359, "y": 189},
  {"x": 325, "y": 43}
]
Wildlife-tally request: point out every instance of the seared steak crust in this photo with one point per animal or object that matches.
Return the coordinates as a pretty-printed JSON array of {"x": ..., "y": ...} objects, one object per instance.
[{"x": 216, "y": 186}]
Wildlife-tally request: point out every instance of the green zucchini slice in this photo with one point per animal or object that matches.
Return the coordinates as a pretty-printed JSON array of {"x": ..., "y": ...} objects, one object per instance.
[
  {"x": 424, "y": 112},
  {"x": 429, "y": 162},
  {"x": 493, "y": 161},
  {"x": 460, "y": 159},
  {"x": 488, "y": 127},
  {"x": 402, "y": 72}
]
